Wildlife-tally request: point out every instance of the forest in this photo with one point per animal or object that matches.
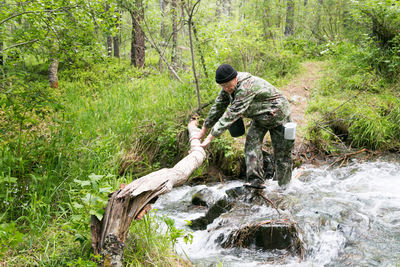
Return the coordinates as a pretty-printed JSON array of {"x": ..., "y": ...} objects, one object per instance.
[{"x": 95, "y": 94}]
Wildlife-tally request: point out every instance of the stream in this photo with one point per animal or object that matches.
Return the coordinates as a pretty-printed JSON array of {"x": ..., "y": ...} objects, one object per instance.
[{"x": 347, "y": 216}]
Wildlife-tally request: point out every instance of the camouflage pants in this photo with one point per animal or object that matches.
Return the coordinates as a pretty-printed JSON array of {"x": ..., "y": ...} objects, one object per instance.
[{"x": 282, "y": 152}]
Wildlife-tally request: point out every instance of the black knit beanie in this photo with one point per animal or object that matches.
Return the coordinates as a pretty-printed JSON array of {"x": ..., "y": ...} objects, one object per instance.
[{"x": 225, "y": 73}]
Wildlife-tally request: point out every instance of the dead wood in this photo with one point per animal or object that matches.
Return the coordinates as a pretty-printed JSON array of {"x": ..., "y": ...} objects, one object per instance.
[{"x": 132, "y": 201}]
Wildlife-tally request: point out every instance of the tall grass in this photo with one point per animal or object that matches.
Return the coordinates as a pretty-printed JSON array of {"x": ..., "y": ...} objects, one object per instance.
[
  {"x": 53, "y": 180},
  {"x": 354, "y": 105}
]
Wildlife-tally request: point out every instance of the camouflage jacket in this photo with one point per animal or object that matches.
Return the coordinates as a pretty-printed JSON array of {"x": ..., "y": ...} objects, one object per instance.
[{"x": 253, "y": 98}]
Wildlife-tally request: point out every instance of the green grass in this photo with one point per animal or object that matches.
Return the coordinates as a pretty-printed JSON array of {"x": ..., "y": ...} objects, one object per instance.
[
  {"x": 59, "y": 168},
  {"x": 354, "y": 106}
]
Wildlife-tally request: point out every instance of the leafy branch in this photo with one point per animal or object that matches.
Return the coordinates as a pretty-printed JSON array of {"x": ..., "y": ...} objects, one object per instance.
[{"x": 62, "y": 9}]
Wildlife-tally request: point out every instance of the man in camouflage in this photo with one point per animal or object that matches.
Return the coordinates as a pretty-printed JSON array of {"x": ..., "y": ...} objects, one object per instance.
[{"x": 254, "y": 98}]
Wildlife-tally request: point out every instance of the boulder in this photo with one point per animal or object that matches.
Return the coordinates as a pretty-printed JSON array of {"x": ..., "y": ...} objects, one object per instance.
[
  {"x": 266, "y": 235},
  {"x": 221, "y": 206},
  {"x": 205, "y": 197}
]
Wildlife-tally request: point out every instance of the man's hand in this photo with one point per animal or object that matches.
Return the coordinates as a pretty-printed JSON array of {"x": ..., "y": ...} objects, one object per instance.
[
  {"x": 200, "y": 135},
  {"x": 207, "y": 141}
]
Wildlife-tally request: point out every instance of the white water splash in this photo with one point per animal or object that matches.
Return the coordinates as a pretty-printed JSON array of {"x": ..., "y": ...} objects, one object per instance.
[{"x": 349, "y": 216}]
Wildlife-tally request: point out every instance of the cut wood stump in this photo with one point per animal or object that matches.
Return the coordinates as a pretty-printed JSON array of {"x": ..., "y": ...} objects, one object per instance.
[{"x": 132, "y": 201}]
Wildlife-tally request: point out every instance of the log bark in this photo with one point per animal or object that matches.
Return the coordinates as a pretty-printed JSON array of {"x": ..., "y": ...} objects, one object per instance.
[{"x": 131, "y": 201}]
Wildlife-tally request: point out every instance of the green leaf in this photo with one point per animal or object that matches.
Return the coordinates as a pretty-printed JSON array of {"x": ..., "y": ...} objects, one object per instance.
[
  {"x": 98, "y": 213},
  {"x": 76, "y": 218},
  {"x": 82, "y": 183},
  {"x": 106, "y": 189},
  {"x": 8, "y": 179},
  {"x": 95, "y": 177},
  {"x": 77, "y": 205}
]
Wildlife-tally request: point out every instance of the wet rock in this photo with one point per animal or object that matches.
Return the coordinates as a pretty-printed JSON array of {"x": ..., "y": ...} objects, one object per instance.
[
  {"x": 221, "y": 206},
  {"x": 205, "y": 197},
  {"x": 225, "y": 204},
  {"x": 266, "y": 235}
]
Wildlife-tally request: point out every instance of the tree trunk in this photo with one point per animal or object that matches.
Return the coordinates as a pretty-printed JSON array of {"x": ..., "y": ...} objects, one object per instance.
[
  {"x": 203, "y": 61},
  {"x": 53, "y": 73},
  {"x": 174, "y": 12},
  {"x": 131, "y": 201},
  {"x": 218, "y": 10},
  {"x": 226, "y": 7},
  {"x": 162, "y": 30},
  {"x": 289, "y": 18},
  {"x": 116, "y": 46},
  {"x": 137, "y": 43},
  {"x": 109, "y": 45},
  {"x": 115, "y": 38},
  {"x": 192, "y": 52},
  {"x": 1, "y": 53},
  {"x": 109, "y": 37}
]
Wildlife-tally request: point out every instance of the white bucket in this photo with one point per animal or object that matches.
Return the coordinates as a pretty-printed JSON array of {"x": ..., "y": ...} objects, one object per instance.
[{"x": 290, "y": 131}]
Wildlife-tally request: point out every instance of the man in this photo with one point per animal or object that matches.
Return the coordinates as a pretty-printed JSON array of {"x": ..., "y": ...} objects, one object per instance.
[{"x": 254, "y": 98}]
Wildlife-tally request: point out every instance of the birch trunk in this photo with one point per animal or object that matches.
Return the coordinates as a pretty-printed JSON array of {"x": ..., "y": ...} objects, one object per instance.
[
  {"x": 131, "y": 201},
  {"x": 53, "y": 73}
]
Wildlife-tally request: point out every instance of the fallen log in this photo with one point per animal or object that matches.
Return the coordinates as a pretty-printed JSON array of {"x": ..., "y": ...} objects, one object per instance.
[{"x": 131, "y": 201}]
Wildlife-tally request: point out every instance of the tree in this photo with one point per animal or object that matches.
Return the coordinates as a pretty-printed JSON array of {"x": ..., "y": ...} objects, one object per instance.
[
  {"x": 190, "y": 10},
  {"x": 116, "y": 38},
  {"x": 162, "y": 28},
  {"x": 174, "y": 32},
  {"x": 137, "y": 42},
  {"x": 54, "y": 30},
  {"x": 289, "y": 17}
]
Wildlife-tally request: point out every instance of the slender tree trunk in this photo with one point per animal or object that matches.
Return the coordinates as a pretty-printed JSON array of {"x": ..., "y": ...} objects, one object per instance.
[
  {"x": 218, "y": 9},
  {"x": 162, "y": 30},
  {"x": 132, "y": 201},
  {"x": 116, "y": 46},
  {"x": 1, "y": 50},
  {"x": 53, "y": 73},
  {"x": 289, "y": 18},
  {"x": 203, "y": 62},
  {"x": 305, "y": 2},
  {"x": 3, "y": 3},
  {"x": 137, "y": 43},
  {"x": 226, "y": 7},
  {"x": 279, "y": 16},
  {"x": 109, "y": 38},
  {"x": 174, "y": 13},
  {"x": 192, "y": 53},
  {"x": 53, "y": 67},
  {"x": 318, "y": 21},
  {"x": 115, "y": 38},
  {"x": 109, "y": 45}
]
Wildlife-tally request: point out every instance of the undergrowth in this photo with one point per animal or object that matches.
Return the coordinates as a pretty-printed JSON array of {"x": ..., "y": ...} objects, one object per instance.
[{"x": 354, "y": 105}]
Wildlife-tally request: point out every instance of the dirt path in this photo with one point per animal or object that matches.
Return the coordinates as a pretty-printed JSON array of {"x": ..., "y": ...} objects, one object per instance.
[{"x": 298, "y": 90}]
